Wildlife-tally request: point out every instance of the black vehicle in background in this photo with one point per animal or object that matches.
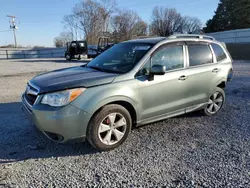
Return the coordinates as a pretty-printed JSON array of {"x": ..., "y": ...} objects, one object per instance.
[
  {"x": 103, "y": 44},
  {"x": 76, "y": 50}
]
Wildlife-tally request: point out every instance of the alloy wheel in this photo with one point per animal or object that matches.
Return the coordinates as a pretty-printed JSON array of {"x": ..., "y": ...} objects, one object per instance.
[
  {"x": 112, "y": 129},
  {"x": 215, "y": 103}
]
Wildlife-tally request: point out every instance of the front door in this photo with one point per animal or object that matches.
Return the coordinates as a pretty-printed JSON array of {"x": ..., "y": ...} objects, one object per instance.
[{"x": 161, "y": 96}]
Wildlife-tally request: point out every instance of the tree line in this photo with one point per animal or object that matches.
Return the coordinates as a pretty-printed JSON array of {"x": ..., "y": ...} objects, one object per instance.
[
  {"x": 230, "y": 15},
  {"x": 91, "y": 19}
]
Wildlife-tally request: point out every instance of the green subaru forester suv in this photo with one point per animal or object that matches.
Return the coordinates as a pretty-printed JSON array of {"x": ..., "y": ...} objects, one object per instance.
[{"x": 133, "y": 83}]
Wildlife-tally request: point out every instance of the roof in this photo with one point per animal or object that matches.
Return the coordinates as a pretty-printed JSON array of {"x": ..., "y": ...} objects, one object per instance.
[{"x": 155, "y": 40}]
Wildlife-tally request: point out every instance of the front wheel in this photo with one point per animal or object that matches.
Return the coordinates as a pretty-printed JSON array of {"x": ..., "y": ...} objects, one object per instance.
[
  {"x": 109, "y": 128},
  {"x": 215, "y": 103},
  {"x": 68, "y": 58}
]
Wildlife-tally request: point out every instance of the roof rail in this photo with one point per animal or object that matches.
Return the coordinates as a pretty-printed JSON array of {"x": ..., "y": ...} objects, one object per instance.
[
  {"x": 191, "y": 36},
  {"x": 146, "y": 37}
]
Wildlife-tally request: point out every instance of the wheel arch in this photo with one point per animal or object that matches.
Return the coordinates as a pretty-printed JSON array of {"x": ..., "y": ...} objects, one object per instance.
[
  {"x": 127, "y": 104},
  {"x": 130, "y": 108},
  {"x": 222, "y": 85}
]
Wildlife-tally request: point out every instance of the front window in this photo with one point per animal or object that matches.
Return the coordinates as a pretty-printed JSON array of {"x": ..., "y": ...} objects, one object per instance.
[
  {"x": 121, "y": 58},
  {"x": 169, "y": 56}
]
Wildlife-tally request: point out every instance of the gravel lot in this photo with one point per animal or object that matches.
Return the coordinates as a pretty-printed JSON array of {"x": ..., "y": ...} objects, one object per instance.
[{"x": 186, "y": 151}]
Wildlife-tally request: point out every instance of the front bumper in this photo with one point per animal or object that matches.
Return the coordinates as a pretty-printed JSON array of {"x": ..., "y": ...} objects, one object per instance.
[{"x": 58, "y": 124}]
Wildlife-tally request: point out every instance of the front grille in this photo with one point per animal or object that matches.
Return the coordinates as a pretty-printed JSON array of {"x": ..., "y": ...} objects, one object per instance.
[{"x": 31, "y": 94}]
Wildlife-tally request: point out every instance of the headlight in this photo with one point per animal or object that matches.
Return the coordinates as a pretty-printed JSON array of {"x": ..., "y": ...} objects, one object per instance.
[{"x": 62, "y": 98}]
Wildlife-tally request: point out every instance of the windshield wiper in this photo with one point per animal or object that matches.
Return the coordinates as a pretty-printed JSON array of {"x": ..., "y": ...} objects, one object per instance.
[
  {"x": 96, "y": 68},
  {"x": 105, "y": 70}
]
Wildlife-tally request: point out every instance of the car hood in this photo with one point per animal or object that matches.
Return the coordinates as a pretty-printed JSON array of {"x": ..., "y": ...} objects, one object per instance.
[{"x": 71, "y": 78}]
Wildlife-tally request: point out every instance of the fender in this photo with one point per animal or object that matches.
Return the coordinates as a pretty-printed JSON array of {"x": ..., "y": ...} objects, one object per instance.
[
  {"x": 114, "y": 99},
  {"x": 95, "y": 98}
]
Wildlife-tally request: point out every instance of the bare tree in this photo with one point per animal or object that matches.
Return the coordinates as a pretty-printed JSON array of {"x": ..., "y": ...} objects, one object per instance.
[
  {"x": 126, "y": 25},
  {"x": 71, "y": 23},
  {"x": 63, "y": 39},
  {"x": 58, "y": 42},
  {"x": 192, "y": 25},
  {"x": 93, "y": 17},
  {"x": 166, "y": 21},
  {"x": 140, "y": 29},
  {"x": 108, "y": 8}
]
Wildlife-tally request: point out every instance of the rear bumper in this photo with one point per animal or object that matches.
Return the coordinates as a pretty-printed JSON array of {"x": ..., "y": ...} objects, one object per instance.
[{"x": 58, "y": 124}]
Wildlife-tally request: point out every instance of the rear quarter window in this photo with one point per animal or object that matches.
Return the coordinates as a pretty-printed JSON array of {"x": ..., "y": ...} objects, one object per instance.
[{"x": 219, "y": 52}]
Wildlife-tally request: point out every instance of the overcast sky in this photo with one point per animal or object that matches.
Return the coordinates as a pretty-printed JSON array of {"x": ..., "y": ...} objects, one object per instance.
[{"x": 40, "y": 21}]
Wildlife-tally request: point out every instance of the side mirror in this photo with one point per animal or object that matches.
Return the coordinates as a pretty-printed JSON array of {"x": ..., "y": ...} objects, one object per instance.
[{"x": 158, "y": 70}]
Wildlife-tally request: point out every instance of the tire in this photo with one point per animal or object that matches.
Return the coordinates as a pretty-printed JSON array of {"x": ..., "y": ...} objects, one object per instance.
[
  {"x": 68, "y": 58},
  {"x": 216, "y": 102},
  {"x": 102, "y": 127}
]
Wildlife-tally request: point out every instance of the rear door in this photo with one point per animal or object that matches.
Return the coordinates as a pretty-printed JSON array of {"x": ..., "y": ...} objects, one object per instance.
[{"x": 201, "y": 71}]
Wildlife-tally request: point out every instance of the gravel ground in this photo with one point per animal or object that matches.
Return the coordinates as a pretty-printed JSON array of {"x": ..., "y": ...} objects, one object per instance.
[{"x": 186, "y": 151}]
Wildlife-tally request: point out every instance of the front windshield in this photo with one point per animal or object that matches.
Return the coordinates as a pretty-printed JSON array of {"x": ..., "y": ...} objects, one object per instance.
[{"x": 121, "y": 58}]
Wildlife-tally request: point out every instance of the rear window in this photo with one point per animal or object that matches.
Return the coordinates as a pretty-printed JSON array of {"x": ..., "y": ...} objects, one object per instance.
[
  {"x": 199, "y": 54},
  {"x": 219, "y": 52}
]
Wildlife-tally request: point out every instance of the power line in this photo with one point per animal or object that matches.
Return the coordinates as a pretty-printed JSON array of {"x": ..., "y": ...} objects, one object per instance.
[{"x": 5, "y": 30}]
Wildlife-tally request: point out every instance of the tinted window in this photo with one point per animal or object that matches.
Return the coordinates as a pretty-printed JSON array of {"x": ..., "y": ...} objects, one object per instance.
[
  {"x": 171, "y": 57},
  {"x": 219, "y": 52},
  {"x": 199, "y": 54}
]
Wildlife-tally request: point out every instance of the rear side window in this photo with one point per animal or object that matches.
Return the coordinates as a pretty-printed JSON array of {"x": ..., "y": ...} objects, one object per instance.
[
  {"x": 219, "y": 52},
  {"x": 199, "y": 54}
]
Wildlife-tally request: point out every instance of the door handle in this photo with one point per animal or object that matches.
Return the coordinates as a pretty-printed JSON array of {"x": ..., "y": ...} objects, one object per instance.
[
  {"x": 182, "y": 78},
  {"x": 216, "y": 70}
]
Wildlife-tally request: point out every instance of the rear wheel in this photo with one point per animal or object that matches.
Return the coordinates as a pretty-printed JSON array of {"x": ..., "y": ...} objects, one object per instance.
[
  {"x": 109, "y": 128},
  {"x": 215, "y": 103}
]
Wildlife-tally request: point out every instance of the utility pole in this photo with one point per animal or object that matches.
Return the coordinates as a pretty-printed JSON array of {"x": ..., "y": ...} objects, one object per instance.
[{"x": 13, "y": 26}]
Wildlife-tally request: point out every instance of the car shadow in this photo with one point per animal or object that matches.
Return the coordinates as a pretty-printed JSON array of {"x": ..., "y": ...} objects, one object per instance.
[
  {"x": 20, "y": 140},
  {"x": 195, "y": 114}
]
